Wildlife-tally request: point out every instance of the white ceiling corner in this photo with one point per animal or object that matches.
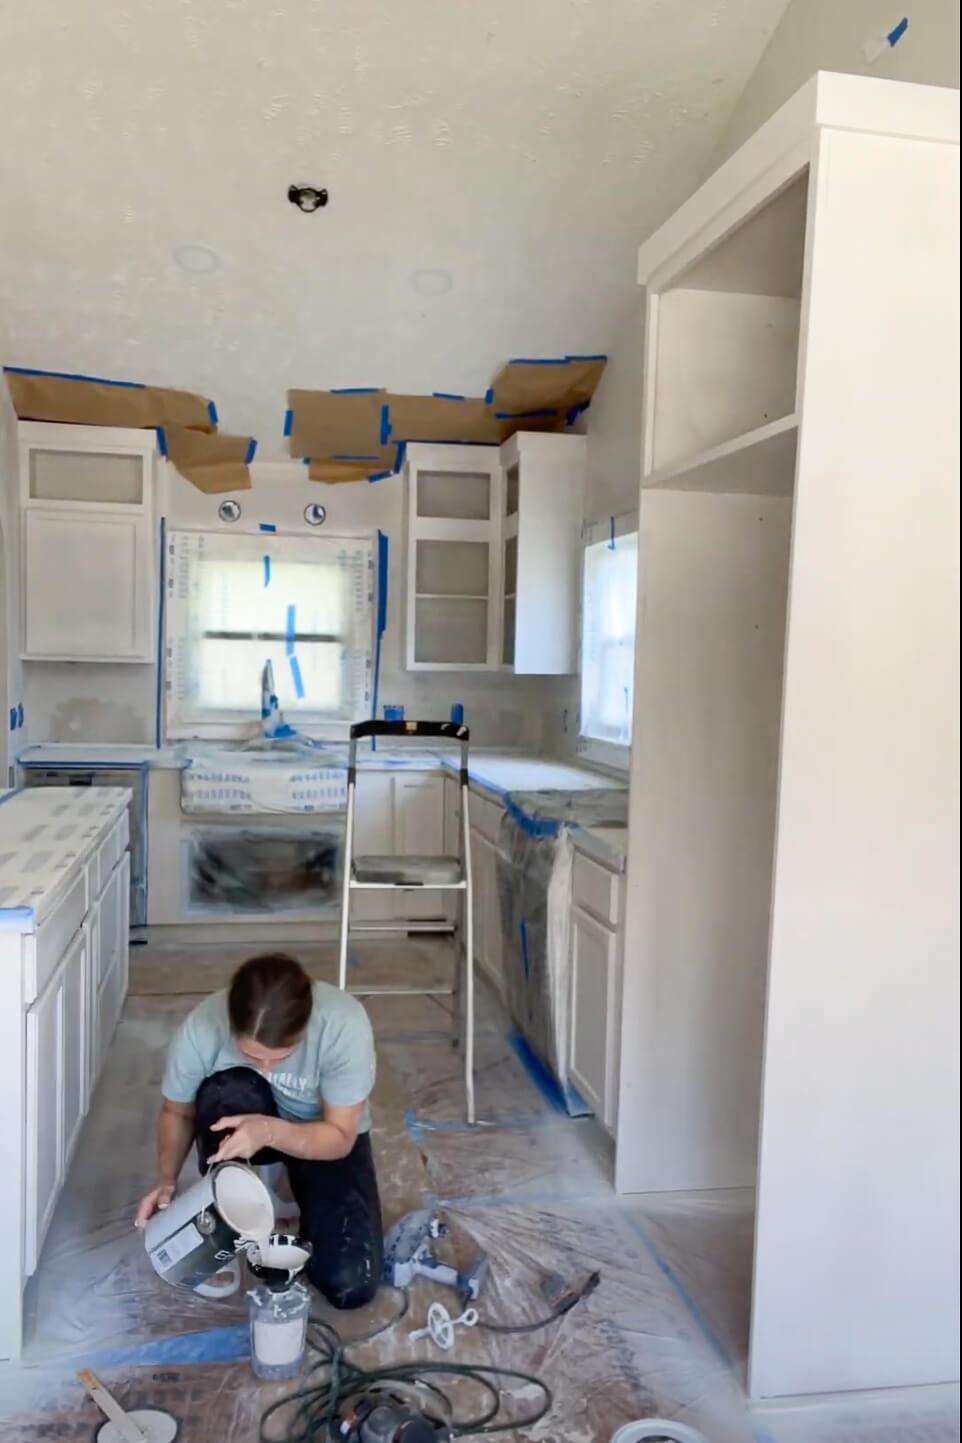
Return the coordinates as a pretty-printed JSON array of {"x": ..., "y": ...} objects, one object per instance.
[{"x": 519, "y": 151}]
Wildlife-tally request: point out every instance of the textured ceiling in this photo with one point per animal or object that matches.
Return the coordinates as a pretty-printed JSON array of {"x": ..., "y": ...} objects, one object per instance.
[{"x": 515, "y": 153}]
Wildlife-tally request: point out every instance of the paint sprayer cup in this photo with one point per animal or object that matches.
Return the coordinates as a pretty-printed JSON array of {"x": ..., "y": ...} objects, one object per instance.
[{"x": 278, "y": 1330}]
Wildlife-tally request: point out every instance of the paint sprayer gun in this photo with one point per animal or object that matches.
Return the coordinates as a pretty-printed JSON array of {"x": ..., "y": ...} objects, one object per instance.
[{"x": 409, "y": 1254}]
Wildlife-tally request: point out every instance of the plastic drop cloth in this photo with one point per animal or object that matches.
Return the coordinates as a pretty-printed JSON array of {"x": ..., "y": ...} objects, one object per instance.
[
  {"x": 263, "y": 870},
  {"x": 535, "y": 858}
]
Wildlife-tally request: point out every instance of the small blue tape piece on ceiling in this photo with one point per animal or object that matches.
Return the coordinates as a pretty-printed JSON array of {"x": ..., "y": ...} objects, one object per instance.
[
  {"x": 212, "y": 413},
  {"x": 251, "y": 450},
  {"x": 161, "y": 441},
  {"x": 74, "y": 376},
  {"x": 288, "y": 421},
  {"x": 266, "y": 526},
  {"x": 267, "y": 571},
  {"x": 354, "y": 390},
  {"x": 489, "y": 396},
  {"x": 382, "y": 582},
  {"x": 895, "y": 35},
  {"x": 575, "y": 411},
  {"x": 296, "y": 677},
  {"x": 447, "y": 395},
  {"x": 385, "y": 424},
  {"x": 290, "y": 631}
]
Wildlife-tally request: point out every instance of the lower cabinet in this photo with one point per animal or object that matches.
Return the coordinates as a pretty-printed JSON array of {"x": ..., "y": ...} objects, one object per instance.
[
  {"x": 592, "y": 1051},
  {"x": 45, "y": 1076},
  {"x": 400, "y": 814}
]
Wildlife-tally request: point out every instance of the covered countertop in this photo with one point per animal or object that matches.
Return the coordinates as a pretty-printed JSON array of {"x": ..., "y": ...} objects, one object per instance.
[{"x": 42, "y": 833}]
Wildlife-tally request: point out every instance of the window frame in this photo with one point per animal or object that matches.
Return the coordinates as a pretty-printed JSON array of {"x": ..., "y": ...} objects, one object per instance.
[
  {"x": 613, "y": 756},
  {"x": 241, "y": 726}
]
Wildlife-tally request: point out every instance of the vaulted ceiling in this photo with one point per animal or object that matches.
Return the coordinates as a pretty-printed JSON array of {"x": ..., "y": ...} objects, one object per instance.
[{"x": 491, "y": 170}]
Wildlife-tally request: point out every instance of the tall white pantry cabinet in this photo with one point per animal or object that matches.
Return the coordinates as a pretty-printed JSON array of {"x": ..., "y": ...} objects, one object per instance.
[{"x": 791, "y": 975}]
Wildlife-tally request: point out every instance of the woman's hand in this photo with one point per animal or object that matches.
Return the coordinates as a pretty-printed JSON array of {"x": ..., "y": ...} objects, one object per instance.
[
  {"x": 156, "y": 1200},
  {"x": 247, "y": 1135}
]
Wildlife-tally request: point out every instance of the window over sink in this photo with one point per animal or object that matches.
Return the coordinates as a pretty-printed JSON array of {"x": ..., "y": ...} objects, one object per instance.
[{"x": 608, "y": 605}]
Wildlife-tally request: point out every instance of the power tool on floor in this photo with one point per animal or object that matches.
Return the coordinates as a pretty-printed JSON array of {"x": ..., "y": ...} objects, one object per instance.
[
  {"x": 385, "y": 1417},
  {"x": 409, "y": 1254}
]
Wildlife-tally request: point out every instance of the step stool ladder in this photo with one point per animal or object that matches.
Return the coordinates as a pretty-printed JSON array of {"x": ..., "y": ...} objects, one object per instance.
[{"x": 407, "y": 874}]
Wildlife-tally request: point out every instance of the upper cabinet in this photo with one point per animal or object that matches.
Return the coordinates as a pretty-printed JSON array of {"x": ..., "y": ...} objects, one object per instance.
[
  {"x": 89, "y": 562},
  {"x": 544, "y": 478},
  {"x": 493, "y": 555},
  {"x": 452, "y": 553}
]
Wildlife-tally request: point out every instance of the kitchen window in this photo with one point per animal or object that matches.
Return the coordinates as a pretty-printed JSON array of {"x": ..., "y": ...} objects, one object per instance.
[
  {"x": 235, "y": 602},
  {"x": 608, "y": 605}
]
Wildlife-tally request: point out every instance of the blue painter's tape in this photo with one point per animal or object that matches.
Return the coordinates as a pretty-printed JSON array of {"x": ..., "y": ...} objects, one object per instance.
[
  {"x": 489, "y": 396},
  {"x": 266, "y": 526},
  {"x": 380, "y": 475},
  {"x": 162, "y": 571},
  {"x": 400, "y": 451},
  {"x": 19, "y": 715},
  {"x": 305, "y": 460},
  {"x": 161, "y": 441},
  {"x": 538, "y": 361},
  {"x": 215, "y": 1345},
  {"x": 667, "y": 1273},
  {"x": 611, "y": 534},
  {"x": 447, "y": 395},
  {"x": 212, "y": 413},
  {"x": 537, "y": 1072},
  {"x": 296, "y": 677},
  {"x": 251, "y": 449},
  {"x": 599, "y": 357},
  {"x": 354, "y": 458},
  {"x": 523, "y": 934},
  {"x": 894, "y": 36},
  {"x": 267, "y": 571},
  {"x": 13, "y": 718},
  {"x": 354, "y": 390},
  {"x": 74, "y": 376},
  {"x": 520, "y": 415},
  {"x": 531, "y": 826},
  {"x": 290, "y": 630},
  {"x": 382, "y": 580},
  {"x": 288, "y": 421},
  {"x": 385, "y": 424}
]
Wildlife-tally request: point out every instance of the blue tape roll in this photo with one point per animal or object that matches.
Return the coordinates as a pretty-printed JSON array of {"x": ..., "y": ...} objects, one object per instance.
[
  {"x": 296, "y": 677},
  {"x": 288, "y": 421}
]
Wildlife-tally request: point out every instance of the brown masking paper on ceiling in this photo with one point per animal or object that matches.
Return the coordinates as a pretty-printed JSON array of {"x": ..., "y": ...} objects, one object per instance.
[
  {"x": 334, "y": 472},
  {"x": 561, "y": 386},
  {"x": 212, "y": 463},
  {"x": 443, "y": 418},
  {"x": 339, "y": 424},
  {"x": 42, "y": 396}
]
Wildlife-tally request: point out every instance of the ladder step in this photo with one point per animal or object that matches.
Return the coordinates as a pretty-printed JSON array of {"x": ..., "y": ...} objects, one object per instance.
[{"x": 442, "y": 872}]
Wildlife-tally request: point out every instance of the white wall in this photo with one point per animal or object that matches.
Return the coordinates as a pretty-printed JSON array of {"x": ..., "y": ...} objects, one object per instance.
[
  {"x": 11, "y": 687},
  {"x": 828, "y": 35},
  {"x": 613, "y": 423},
  {"x": 117, "y": 703}
]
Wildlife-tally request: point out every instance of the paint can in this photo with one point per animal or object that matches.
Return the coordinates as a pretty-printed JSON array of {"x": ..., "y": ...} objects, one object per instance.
[{"x": 200, "y": 1232}]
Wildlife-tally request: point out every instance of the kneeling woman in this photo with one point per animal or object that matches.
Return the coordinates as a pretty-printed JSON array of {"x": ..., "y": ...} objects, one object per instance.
[{"x": 279, "y": 1069}]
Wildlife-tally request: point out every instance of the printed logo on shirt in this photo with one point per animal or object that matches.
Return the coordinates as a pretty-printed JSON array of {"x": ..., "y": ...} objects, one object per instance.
[{"x": 297, "y": 1086}]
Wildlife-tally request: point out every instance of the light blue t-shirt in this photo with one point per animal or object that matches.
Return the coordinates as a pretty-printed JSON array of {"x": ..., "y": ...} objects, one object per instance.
[{"x": 332, "y": 1064}]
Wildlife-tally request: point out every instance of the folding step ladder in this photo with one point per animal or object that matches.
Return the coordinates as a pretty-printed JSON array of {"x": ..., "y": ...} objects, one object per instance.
[{"x": 408, "y": 874}]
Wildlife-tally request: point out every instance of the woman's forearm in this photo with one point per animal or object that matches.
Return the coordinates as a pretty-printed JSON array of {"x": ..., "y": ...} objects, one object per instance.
[
  {"x": 175, "y": 1133},
  {"x": 318, "y": 1141}
]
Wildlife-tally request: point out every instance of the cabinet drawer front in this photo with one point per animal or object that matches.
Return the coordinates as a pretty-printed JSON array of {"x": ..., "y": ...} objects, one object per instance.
[
  {"x": 109, "y": 854},
  {"x": 596, "y": 889},
  {"x": 53, "y": 936},
  {"x": 485, "y": 815}
]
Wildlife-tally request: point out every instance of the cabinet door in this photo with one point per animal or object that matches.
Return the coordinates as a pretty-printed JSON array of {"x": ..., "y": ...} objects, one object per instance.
[
  {"x": 114, "y": 944},
  {"x": 480, "y": 872},
  {"x": 419, "y": 832},
  {"x": 86, "y": 586},
  {"x": 44, "y": 1112},
  {"x": 593, "y": 969},
  {"x": 374, "y": 836},
  {"x": 92, "y": 1047},
  {"x": 75, "y": 1043}
]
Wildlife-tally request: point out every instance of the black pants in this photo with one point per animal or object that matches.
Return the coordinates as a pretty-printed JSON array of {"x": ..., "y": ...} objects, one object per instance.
[{"x": 338, "y": 1201}]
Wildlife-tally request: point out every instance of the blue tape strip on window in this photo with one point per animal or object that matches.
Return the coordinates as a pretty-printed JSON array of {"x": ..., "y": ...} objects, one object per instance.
[
  {"x": 382, "y": 579},
  {"x": 267, "y": 571},
  {"x": 290, "y": 631},
  {"x": 159, "y": 687},
  {"x": 385, "y": 424},
  {"x": 288, "y": 421},
  {"x": 251, "y": 448},
  {"x": 894, "y": 36},
  {"x": 74, "y": 376},
  {"x": 212, "y": 413},
  {"x": 296, "y": 677},
  {"x": 447, "y": 395},
  {"x": 266, "y": 526}
]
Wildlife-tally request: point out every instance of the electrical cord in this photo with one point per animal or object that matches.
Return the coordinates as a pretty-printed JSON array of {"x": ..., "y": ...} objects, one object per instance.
[
  {"x": 585, "y": 1291},
  {"x": 315, "y": 1407}
]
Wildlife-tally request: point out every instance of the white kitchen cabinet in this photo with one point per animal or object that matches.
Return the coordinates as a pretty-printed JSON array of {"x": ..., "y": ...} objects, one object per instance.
[
  {"x": 484, "y": 816},
  {"x": 44, "y": 1109},
  {"x": 419, "y": 831},
  {"x": 89, "y": 573},
  {"x": 594, "y": 966},
  {"x": 544, "y": 482},
  {"x": 63, "y": 872},
  {"x": 453, "y": 558}
]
